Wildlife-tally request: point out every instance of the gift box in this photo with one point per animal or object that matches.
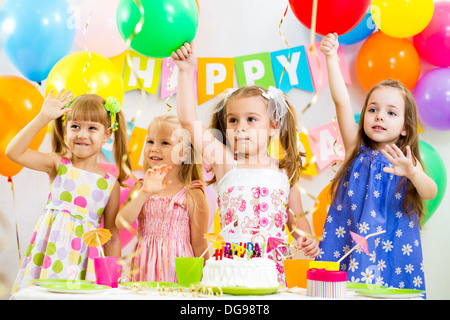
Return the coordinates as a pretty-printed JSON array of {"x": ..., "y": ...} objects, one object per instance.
[
  {"x": 326, "y": 283},
  {"x": 295, "y": 270}
]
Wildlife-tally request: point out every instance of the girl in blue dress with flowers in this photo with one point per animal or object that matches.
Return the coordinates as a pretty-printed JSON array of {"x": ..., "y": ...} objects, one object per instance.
[{"x": 379, "y": 187}]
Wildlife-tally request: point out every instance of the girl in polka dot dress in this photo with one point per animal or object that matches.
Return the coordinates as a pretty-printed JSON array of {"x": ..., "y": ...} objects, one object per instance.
[
  {"x": 380, "y": 185},
  {"x": 80, "y": 192}
]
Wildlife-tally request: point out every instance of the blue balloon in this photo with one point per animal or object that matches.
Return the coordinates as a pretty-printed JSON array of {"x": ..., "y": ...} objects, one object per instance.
[
  {"x": 36, "y": 34},
  {"x": 362, "y": 30}
]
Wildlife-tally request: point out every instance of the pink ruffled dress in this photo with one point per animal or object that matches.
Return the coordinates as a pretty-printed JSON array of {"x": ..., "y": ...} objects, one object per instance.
[{"x": 164, "y": 234}]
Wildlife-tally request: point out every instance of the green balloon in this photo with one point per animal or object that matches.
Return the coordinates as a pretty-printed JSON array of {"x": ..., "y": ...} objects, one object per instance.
[
  {"x": 167, "y": 25},
  {"x": 435, "y": 168}
]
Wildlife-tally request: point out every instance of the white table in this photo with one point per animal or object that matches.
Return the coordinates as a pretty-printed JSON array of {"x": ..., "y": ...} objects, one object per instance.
[{"x": 38, "y": 293}]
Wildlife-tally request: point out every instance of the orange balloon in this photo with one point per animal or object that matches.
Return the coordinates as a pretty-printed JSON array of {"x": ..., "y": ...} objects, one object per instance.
[
  {"x": 20, "y": 102},
  {"x": 320, "y": 212},
  {"x": 382, "y": 57}
]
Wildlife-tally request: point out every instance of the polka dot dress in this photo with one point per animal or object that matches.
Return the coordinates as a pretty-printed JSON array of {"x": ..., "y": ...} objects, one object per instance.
[{"x": 75, "y": 205}]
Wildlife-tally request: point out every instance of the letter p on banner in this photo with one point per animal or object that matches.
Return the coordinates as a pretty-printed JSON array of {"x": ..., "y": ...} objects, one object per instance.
[{"x": 214, "y": 76}]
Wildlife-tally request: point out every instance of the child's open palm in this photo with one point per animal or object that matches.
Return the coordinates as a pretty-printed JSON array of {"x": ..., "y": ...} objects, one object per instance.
[
  {"x": 329, "y": 44},
  {"x": 53, "y": 107},
  {"x": 402, "y": 165},
  {"x": 153, "y": 180}
]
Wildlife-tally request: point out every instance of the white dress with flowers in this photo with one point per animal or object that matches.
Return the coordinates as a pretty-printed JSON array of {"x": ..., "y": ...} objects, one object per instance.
[{"x": 254, "y": 198}]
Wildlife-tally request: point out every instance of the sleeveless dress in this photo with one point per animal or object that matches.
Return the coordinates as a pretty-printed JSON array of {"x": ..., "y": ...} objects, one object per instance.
[
  {"x": 75, "y": 205},
  {"x": 371, "y": 201},
  {"x": 164, "y": 234},
  {"x": 254, "y": 197}
]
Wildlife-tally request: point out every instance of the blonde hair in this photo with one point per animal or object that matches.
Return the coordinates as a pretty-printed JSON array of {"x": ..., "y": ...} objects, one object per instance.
[
  {"x": 91, "y": 107},
  {"x": 288, "y": 136},
  {"x": 413, "y": 203},
  {"x": 191, "y": 168}
]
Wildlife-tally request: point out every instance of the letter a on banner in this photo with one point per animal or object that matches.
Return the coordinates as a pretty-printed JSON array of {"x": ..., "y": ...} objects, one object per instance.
[
  {"x": 255, "y": 69},
  {"x": 147, "y": 70},
  {"x": 326, "y": 144},
  {"x": 214, "y": 76}
]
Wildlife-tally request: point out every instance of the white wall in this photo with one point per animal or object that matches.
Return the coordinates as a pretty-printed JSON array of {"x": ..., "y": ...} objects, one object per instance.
[{"x": 228, "y": 29}]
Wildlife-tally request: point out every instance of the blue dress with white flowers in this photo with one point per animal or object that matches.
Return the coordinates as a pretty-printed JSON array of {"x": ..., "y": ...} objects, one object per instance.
[{"x": 371, "y": 201}]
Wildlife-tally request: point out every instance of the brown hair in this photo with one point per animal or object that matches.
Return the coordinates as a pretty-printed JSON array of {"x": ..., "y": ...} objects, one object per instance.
[
  {"x": 413, "y": 203},
  {"x": 291, "y": 161},
  {"x": 191, "y": 168},
  {"x": 91, "y": 107}
]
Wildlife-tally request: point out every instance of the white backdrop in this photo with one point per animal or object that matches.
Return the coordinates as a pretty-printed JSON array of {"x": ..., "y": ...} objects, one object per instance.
[{"x": 228, "y": 29}]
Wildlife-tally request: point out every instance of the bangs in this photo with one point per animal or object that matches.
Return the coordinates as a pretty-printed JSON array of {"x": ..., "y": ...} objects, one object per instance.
[{"x": 89, "y": 108}]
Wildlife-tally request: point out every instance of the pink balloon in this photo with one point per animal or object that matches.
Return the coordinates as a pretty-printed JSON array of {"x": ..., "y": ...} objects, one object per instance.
[
  {"x": 125, "y": 235},
  {"x": 433, "y": 43},
  {"x": 102, "y": 34}
]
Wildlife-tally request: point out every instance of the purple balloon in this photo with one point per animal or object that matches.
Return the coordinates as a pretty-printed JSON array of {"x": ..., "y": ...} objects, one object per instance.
[{"x": 432, "y": 95}]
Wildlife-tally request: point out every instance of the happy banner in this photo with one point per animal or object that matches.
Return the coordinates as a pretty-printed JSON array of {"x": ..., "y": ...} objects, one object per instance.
[{"x": 297, "y": 67}]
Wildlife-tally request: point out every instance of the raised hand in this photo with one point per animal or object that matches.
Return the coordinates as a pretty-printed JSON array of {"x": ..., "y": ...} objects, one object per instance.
[
  {"x": 53, "y": 107},
  {"x": 153, "y": 180},
  {"x": 329, "y": 44},
  {"x": 184, "y": 57},
  {"x": 402, "y": 165}
]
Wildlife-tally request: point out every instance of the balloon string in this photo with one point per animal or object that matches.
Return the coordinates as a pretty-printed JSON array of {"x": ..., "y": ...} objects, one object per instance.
[
  {"x": 15, "y": 220},
  {"x": 287, "y": 44},
  {"x": 88, "y": 52},
  {"x": 169, "y": 84},
  {"x": 136, "y": 31}
]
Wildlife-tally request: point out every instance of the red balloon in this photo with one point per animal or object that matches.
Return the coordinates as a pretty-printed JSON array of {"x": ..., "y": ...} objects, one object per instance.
[{"x": 332, "y": 15}]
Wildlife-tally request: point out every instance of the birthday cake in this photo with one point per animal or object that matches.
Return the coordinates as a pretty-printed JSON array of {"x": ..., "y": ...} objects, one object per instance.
[{"x": 240, "y": 272}]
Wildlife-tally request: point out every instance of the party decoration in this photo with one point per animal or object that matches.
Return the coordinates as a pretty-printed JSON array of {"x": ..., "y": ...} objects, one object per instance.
[
  {"x": 273, "y": 243},
  {"x": 20, "y": 102},
  {"x": 136, "y": 146},
  {"x": 309, "y": 167},
  {"x": 36, "y": 34},
  {"x": 362, "y": 30},
  {"x": 97, "y": 238},
  {"x": 96, "y": 20},
  {"x": 86, "y": 72},
  {"x": 326, "y": 144},
  {"x": 148, "y": 70},
  {"x": 320, "y": 212},
  {"x": 361, "y": 243},
  {"x": 434, "y": 166},
  {"x": 254, "y": 69},
  {"x": 332, "y": 16},
  {"x": 432, "y": 95},
  {"x": 402, "y": 18},
  {"x": 167, "y": 25},
  {"x": 296, "y": 73},
  {"x": 433, "y": 43},
  {"x": 317, "y": 66},
  {"x": 214, "y": 76},
  {"x": 382, "y": 57},
  {"x": 125, "y": 235}
]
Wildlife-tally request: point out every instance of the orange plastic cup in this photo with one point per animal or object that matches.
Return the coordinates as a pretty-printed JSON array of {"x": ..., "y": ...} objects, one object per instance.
[{"x": 295, "y": 272}]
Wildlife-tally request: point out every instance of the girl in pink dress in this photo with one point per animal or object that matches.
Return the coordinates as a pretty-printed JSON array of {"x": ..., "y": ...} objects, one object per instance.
[
  {"x": 253, "y": 188},
  {"x": 169, "y": 202}
]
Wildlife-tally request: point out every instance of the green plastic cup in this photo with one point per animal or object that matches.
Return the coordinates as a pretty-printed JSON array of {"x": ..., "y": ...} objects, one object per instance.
[{"x": 189, "y": 270}]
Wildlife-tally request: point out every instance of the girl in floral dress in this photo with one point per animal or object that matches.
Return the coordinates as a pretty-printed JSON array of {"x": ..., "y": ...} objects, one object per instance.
[
  {"x": 380, "y": 185},
  {"x": 170, "y": 204},
  {"x": 80, "y": 192},
  {"x": 253, "y": 188}
]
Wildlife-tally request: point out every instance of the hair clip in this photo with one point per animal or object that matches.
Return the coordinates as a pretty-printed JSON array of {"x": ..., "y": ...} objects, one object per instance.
[
  {"x": 63, "y": 117},
  {"x": 112, "y": 105}
]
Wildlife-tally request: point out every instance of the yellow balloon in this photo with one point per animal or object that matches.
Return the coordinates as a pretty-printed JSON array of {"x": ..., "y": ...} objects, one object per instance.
[
  {"x": 84, "y": 72},
  {"x": 402, "y": 18}
]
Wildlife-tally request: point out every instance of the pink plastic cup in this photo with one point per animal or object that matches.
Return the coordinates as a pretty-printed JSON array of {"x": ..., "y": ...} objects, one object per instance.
[{"x": 107, "y": 271}]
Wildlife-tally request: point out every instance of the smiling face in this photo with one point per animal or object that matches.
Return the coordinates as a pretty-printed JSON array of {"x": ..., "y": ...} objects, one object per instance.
[
  {"x": 248, "y": 126},
  {"x": 85, "y": 138},
  {"x": 164, "y": 145},
  {"x": 384, "y": 117}
]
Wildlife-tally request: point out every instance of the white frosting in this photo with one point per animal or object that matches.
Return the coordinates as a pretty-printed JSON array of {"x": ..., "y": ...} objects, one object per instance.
[{"x": 253, "y": 273}]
